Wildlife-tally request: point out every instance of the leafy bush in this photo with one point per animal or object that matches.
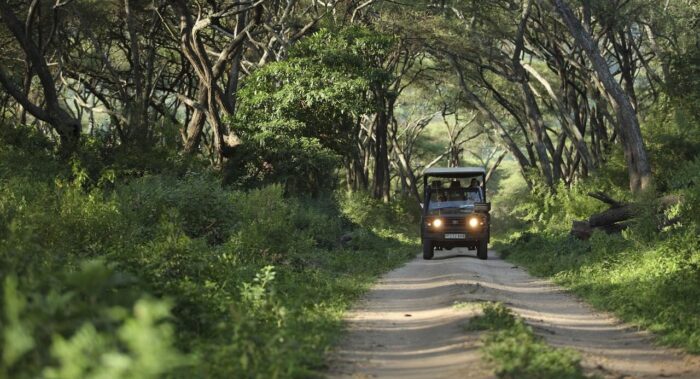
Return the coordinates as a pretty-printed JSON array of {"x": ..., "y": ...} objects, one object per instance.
[
  {"x": 91, "y": 323},
  {"x": 517, "y": 352},
  {"x": 648, "y": 275},
  {"x": 202, "y": 209},
  {"x": 163, "y": 276},
  {"x": 362, "y": 209}
]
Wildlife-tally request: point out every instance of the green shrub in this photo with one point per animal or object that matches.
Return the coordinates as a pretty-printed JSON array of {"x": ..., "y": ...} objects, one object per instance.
[
  {"x": 99, "y": 270},
  {"x": 202, "y": 208},
  {"x": 362, "y": 209},
  {"x": 266, "y": 230},
  {"x": 517, "y": 352},
  {"x": 93, "y": 323}
]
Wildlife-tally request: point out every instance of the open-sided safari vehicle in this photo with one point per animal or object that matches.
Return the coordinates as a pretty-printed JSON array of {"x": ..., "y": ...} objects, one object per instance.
[{"x": 455, "y": 211}]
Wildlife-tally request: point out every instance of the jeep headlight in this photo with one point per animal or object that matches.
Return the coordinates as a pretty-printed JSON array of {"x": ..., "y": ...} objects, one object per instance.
[
  {"x": 473, "y": 222},
  {"x": 437, "y": 223}
]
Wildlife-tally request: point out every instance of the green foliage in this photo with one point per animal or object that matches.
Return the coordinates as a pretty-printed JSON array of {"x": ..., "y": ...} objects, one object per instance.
[
  {"x": 495, "y": 316},
  {"x": 543, "y": 209},
  {"x": 299, "y": 115},
  {"x": 517, "y": 352},
  {"x": 648, "y": 275},
  {"x": 363, "y": 209},
  {"x": 143, "y": 349},
  {"x": 267, "y": 219},
  {"x": 196, "y": 203},
  {"x": 161, "y": 276},
  {"x": 91, "y": 323}
]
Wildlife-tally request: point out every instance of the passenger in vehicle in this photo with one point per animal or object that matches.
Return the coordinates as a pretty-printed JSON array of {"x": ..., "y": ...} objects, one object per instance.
[{"x": 475, "y": 186}]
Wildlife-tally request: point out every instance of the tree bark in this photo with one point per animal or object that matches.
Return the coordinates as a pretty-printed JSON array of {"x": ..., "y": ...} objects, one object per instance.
[
  {"x": 381, "y": 183},
  {"x": 532, "y": 110},
  {"x": 639, "y": 168},
  {"x": 67, "y": 127},
  {"x": 487, "y": 114}
]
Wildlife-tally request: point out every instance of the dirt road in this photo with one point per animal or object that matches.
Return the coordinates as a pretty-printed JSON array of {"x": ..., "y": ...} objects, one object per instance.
[{"x": 408, "y": 326}]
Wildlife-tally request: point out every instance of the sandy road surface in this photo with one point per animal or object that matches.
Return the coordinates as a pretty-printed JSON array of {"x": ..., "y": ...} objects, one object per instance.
[{"x": 408, "y": 327}]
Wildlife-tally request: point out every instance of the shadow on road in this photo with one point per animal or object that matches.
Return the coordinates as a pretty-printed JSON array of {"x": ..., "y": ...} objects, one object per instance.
[{"x": 408, "y": 327}]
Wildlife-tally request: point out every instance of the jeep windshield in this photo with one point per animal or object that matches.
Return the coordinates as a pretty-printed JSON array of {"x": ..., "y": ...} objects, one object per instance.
[{"x": 454, "y": 201}]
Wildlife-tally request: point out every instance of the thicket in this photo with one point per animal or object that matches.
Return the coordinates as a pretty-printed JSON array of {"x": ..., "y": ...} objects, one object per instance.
[
  {"x": 650, "y": 273},
  {"x": 112, "y": 271}
]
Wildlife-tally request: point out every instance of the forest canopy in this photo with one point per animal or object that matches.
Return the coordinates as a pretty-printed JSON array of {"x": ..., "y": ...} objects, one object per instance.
[{"x": 561, "y": 87}]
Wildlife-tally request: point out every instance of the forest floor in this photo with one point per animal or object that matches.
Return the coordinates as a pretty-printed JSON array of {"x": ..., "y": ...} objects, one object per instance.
[{"x": 413, "y": 324}]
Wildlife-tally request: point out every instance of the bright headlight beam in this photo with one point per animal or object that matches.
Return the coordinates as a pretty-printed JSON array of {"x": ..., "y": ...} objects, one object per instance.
[
  {"x": 473, "y": 222},
  {"x": 437, "y": 223}
]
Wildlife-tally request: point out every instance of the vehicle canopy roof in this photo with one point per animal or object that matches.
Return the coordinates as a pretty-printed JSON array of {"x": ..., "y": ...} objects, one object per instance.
[{"x": 454, "y": 172}]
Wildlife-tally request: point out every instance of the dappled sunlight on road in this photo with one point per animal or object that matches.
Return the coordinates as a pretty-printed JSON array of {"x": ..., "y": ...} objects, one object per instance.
[{"x": 411, "y": 325}]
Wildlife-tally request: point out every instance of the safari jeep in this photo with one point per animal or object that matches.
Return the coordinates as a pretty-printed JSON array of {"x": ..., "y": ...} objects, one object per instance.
[{"x": 455, "y": 211}]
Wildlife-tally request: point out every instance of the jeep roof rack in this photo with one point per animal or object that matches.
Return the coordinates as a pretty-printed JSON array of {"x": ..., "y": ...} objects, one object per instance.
[{"x": 454, "y": 172}]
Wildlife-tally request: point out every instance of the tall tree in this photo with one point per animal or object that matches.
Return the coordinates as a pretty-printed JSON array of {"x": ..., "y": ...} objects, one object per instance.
[
  {"x": 639, "y": 168},
  {"x": 49, "y": 108}
]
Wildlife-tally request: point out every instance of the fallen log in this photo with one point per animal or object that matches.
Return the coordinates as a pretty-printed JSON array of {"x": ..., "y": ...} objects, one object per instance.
[
  {"x": 614, "y": 219},
  {"x": 583, "y": 230},
  {"x": 612, "y": 216}
]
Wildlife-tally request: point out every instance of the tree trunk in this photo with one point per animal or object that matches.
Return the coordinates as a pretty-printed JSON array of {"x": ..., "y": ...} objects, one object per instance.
[
  {"x": 532, "y": 110},
  {"x": 631, "y": 136},
  {"x": 67, "y": 127},
  {"x": 487, "y": 114},
  {"x": 380, "y": 186},
  {"x": 405, "y": 165}
]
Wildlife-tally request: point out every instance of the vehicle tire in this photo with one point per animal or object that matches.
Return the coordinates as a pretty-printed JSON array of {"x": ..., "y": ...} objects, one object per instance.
[
  {"x": 482, "y": 250},
  {"x": 427, "y": 249}
]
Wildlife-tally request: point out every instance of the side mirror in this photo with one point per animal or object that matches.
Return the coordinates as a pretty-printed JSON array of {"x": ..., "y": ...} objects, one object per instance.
[{"x": 482, "y": 207}]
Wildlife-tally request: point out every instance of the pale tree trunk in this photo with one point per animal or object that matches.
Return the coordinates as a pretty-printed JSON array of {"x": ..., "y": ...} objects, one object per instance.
[
  {"x": 532, "y": 110},
  {"x": 212, "y": 101},
  {"x": 479, "y": 105},
  {"x": 493, "y": 168},
  {"x": 639, "y": 168},
  {"x": 405, "y": 166}
]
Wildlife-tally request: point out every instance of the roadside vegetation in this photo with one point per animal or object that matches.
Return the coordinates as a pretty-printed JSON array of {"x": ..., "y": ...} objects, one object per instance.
[
  {"x": 172, "y": 274},
  {"x": 647, "y": 274},
  {"x": 516, "y": 352}
]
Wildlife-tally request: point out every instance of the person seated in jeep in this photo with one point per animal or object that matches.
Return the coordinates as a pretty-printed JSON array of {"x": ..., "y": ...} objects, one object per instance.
[
  {"x": 456, "y": 192},
  {"x": 475, "y": 187}
]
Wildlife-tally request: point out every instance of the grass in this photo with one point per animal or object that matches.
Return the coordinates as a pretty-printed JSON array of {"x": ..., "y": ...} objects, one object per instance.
[
  {"x": 517, "y": 352},
  {"x": 645, "y": 276},
  {"x": 654, "y": 284}
]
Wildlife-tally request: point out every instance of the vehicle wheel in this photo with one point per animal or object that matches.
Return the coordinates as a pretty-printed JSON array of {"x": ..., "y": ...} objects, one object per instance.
[
  {"x": 427, "y": 249},
  {"x": 482, "y": 250}
]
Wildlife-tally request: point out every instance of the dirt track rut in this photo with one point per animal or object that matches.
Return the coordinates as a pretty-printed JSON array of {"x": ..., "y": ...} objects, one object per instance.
[{"x": 408, "y": 326}]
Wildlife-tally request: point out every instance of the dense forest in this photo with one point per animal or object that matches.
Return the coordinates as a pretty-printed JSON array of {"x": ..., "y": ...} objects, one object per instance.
[{"x": 195, "y": 188}]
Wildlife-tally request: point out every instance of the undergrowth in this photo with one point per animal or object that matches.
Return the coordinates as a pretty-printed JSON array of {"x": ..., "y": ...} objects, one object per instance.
[
  {"x": 176, "y": 276},
  {"x": 646, "y": 275},
  {"x": 517, "y": 352}
]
